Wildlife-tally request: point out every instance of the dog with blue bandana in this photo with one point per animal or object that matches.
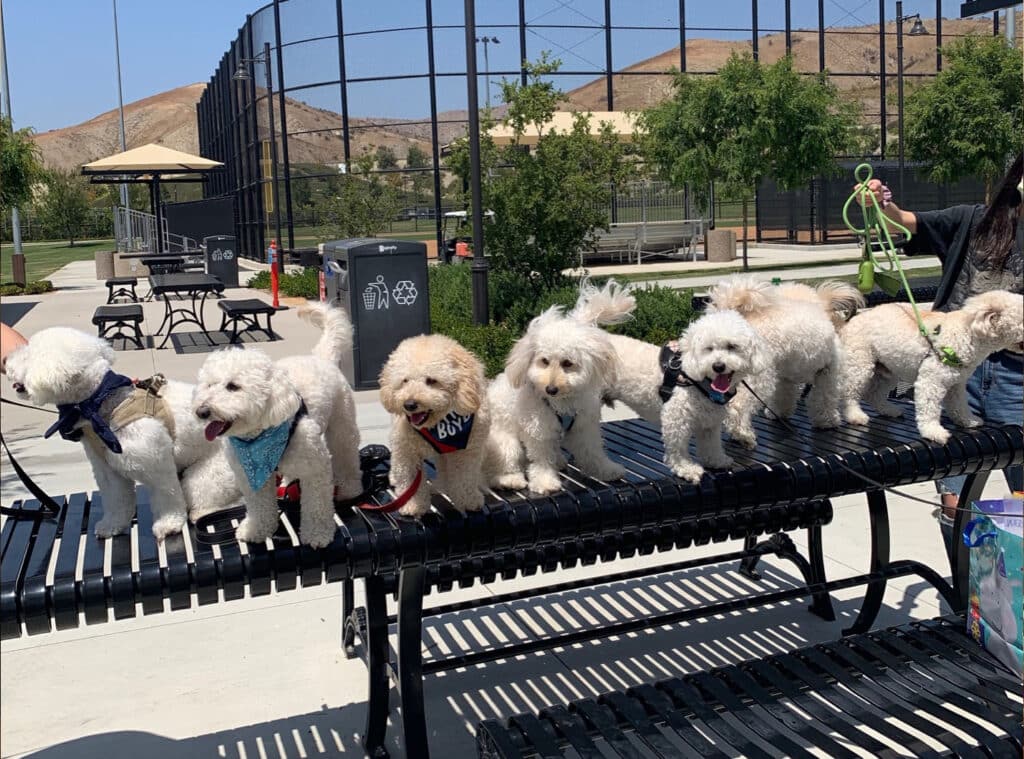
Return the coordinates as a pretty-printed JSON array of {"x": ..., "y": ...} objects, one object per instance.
[{"x": 295, "y": 418}]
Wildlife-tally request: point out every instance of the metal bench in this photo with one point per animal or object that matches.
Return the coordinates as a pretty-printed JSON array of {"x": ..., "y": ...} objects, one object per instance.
[
  {"x": 618, "y": 239},
  {"x": 901, "y": 683},
  {"x": 119, "y": 288},
  {"x": 247, "y": 312},
  {"x": 666, "y": 238},
  {"x": 120, "y": 317},
  {"x": 51, "y": 578}
]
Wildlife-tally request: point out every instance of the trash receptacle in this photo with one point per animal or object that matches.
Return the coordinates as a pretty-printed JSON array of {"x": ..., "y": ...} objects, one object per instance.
[
  {"x": 221, "y": 258},
  {"x": 383, "y": 285},
  {"x": 104, "y": 265}
]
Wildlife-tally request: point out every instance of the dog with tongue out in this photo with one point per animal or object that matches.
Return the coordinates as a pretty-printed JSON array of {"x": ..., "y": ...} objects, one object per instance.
[{"x": 703, "y": 371}]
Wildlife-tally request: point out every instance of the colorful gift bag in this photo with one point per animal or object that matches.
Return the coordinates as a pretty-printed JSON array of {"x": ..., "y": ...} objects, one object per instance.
[{"x": 995, "y": 537}]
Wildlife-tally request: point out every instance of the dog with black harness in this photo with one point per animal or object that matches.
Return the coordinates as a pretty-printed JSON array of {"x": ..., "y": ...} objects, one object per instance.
[{"x": 700, "y": 376}]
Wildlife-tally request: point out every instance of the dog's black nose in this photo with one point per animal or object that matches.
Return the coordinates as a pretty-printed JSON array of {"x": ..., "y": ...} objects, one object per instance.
[
  {"x": 203, "y": 412},
  {"x": 410, "y": 406},
  {"x": 551, "y": 390},
  {"x": 18, "y": 387},
  {"x": 719, "y": 367}
]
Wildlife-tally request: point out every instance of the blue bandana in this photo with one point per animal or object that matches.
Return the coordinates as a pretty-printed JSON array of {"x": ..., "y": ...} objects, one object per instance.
[
  {"x": 260, "y": 455},
  {"x": 450, "y": 434},
  {"x": 72, "y": 413},
  {"x": 566, "y": 420}
]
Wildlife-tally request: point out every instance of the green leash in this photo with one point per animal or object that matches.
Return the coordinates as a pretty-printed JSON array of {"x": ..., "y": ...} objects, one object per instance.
[{"x": 888, "y": 273}]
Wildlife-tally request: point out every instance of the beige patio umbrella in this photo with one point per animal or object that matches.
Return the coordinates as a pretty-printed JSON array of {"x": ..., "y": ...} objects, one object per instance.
[{"x": 150, "y": 164}]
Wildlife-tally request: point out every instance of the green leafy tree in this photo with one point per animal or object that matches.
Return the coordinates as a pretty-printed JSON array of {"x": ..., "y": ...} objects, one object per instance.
[
  {"x": 550, "y": 200},
  {"x": 20, "y": 168},
  {"x": 357, "y": 204},
  {"x": 418, "y": 159},
  {"x": 968, "y": 120},
  {"x": 386, "y": 158},
  {"x": 749, "y": 122},
  {"x": 64, "y": 204}
]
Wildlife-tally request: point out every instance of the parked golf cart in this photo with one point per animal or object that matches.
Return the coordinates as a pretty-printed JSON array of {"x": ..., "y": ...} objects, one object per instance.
[{"x": 457, "y": 234}]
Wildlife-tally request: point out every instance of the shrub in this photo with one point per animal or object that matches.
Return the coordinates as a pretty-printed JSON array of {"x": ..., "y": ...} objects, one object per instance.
[
  {"x": 490, "y": 342},
  {"x": 303, "y": 284},
  {"x": 661, "y": 315},
  {"x": 32, "y": 288}
]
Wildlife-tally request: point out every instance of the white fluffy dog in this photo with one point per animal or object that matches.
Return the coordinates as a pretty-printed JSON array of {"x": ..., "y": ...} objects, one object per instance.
[
  {"x": 295, "y": 416},
  {"x": 798, "y": 327},
  {"x": 551, "y": 393},
  {"x": 66, "y": 367},
  {"x": 436, "y": 393},
  {"x": 884, "y": 346},
  {"x": 717, "y": 353}
]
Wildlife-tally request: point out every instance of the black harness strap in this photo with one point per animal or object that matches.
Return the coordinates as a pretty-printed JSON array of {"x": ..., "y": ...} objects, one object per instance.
[{"x": 673, "y": 376}]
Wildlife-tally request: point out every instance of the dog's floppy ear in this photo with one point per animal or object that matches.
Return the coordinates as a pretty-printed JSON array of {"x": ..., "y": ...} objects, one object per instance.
[
  {"x": 281, "y": 405},
  {"x": 605, "y": 361},
  {"x": 758, "y": 354},
  {"x": 469, "y": 374},
  {"x": 519, "y": 360},
  {"x": 985, "y": 321},
  {"x": 386, "y": 380}
]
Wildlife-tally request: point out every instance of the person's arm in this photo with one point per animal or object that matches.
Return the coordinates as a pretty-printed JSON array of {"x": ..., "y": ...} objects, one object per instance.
[
  {"x": 890, "y": 209},
  {"x": 9, "y": 340}
]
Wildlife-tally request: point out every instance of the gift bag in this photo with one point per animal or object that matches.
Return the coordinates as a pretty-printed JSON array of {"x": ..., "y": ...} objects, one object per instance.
[{"x": 995, "y": 537}]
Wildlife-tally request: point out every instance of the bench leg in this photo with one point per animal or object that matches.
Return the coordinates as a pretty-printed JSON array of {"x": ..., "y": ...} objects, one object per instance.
[
  {"x": 878, "y": 513},
  {"x": 377, "y": 668},
  {"x": 349, "y": 620},
  {"x": 959, "y": 559},
  {"x": 411, "y": 585},
  {"x": 813, "y": 570}
]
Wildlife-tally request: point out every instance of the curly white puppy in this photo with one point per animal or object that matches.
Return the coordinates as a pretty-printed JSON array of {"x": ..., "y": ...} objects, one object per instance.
[
  {"x": 884, "y": 346},
  {"x": 801, "y": 342},
  {"x": 296, "y": 417},
  {"x": 127, "y": 435},
  {"x": 436, "y": 393},
  {"x": 716, "y": 354},
  {"x": 551, "y": 393}
]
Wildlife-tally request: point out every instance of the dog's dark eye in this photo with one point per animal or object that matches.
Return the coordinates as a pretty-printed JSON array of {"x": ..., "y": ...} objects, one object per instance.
[
  {"x": 543, "y": 361},
  {"x": 566, "y": 363},
  {"x": 709, "y": 349},
  {"x": 731, "y": 347},
  {"x": 430, "y": 381},
  {"x": 231, "y": 387}
]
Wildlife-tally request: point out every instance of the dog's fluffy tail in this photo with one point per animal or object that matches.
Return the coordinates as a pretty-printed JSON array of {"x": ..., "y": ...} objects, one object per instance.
[
  {"x": 336, "y": 339},
  {"x": 611, "y": 304},
  {"x": 840, "y": 298},
  {"x": 744, "y": 293}
]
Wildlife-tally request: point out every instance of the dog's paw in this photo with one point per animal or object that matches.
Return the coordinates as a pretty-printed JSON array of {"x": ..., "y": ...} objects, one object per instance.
[
  {"x": 169, "y": 525},
  {"x": 719, "y": 463},
  {"x": 317, "y": 536},
  {"x": 108, "y": 528},
  {"x": 414, "y": 509},
  {"x": 545, "y": 483},
  {"x": 857, "y": 416},
  {"x": 609, "y": 472},
  {"x": 690, "y": 471},
  {"x": 514, "y": 481},
  {"x": 745, "y": 437},
  {"x": 247, "y": 532},
  {"x": 935, "y": 432}
]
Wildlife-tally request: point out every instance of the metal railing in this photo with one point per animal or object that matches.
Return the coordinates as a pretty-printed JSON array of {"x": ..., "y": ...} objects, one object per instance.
[{"x": 137, "y": 231}]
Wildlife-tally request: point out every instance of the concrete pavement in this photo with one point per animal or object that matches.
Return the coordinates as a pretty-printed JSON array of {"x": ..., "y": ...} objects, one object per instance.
[{"x": 265, "y": 677}]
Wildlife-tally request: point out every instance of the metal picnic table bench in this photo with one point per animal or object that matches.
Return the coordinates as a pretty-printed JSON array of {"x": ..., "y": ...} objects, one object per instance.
[{"x": 49, "y": 578}]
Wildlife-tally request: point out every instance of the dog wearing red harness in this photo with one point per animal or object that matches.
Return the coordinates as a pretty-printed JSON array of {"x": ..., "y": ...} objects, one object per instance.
[{"x": 436, "y": 392}]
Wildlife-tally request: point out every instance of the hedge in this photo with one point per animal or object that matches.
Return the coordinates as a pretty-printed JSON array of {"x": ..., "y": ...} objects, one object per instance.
[{"x": 32, "y": 288}]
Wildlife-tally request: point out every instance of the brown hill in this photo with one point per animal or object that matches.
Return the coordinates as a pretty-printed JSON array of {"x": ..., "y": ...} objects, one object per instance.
[{"x": 315, "y": 134}]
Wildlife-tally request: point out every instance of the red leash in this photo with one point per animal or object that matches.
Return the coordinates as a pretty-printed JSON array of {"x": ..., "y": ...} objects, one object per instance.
[{"x": 399, "y": 502}]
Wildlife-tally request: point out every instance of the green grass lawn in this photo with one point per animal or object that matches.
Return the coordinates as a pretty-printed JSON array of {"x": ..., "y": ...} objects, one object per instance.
[{"x": 44, "y": 258}]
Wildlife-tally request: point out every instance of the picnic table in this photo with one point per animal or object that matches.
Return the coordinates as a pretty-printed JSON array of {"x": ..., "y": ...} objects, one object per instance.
[
  {"x": 784, "y": 485},
  {"x": 197, "y": 286}
]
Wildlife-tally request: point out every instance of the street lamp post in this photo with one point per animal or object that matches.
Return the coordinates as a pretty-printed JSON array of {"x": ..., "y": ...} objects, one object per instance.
[
  {"x": 917, "y": 30},
  {"x": 18, "y": 255},
  {"x": 120, "y": 103},
  {"x": 487, "y": 66},
  {"x": 242, "y": 75},
  {"x": 478, "y": 270}
]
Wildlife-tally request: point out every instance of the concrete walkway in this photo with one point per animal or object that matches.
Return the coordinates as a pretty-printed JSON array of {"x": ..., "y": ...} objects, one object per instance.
[{"x": 265, "y": 677}]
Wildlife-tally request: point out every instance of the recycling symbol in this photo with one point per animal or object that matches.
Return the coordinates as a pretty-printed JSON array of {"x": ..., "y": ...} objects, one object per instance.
[{"x": 405, "y": 292}]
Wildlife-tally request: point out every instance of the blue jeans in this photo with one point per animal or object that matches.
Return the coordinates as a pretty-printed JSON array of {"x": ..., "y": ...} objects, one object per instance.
[{"x": 995, "y": 392}]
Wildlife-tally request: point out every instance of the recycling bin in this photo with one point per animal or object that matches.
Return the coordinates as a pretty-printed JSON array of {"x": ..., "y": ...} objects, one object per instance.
[
  {"x": 221, "y": 258},
  {"x": 383, "y": 285}
]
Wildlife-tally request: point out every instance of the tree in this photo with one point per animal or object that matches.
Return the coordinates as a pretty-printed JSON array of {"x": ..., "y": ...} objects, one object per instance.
[
  {"x": 19, "y": 165},
  {"x": 968, "y": 120},
  {"x": 749, "y": 122},
  {"x": 357, "y": 204},
  {"x": 64, "y": 204},
  {"x": 416, "y": 160},
  {"x": 548, "y": 202},
  {"x": 386, "y": 158}
]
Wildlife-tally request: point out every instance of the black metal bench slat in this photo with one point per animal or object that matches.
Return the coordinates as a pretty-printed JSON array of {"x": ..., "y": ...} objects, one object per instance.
[
  {"x": 94, "y": 585},
  {"x": 865, "y": 684},
  {"x": 149, "y": 578},
  {"x": 35, "y": 607},
  {"x": 19, "y": 543},
  {"x": 65, "y": 595}
]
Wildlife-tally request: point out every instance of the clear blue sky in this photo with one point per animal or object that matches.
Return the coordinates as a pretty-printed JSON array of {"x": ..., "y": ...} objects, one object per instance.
[{"x": 61, "y": 52}]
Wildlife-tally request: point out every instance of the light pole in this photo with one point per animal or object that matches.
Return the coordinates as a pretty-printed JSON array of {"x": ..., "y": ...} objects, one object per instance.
[
  {"x": 120, "y": 102},
  {"x": 18, "y": 256},
  {"x": 478, "y": 270},
  {"x": 487, "y": 65},
  {"x": 242, "y": 75},
  {"x": 917, "y": 30}
]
